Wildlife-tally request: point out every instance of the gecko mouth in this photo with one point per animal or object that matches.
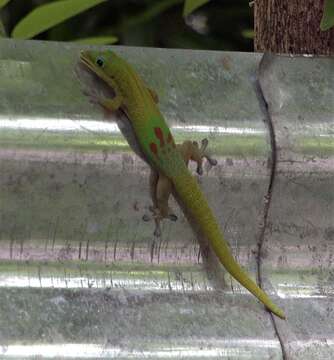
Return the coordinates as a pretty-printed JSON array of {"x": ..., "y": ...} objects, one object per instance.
[
  {"x": 90, "y": 64},
  {"x": 84, "y": 57}
]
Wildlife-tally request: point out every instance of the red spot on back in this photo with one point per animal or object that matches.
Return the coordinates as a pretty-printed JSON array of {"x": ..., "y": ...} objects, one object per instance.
[
  {"x": 159, "y": 135},
  {"x": 154, "y": 148}
]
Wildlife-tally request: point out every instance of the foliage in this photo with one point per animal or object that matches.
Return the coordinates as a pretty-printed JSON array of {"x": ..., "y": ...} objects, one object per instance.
[
  {"x": 159, "y": 23},
  {"x": 218, "y": 25},
  {"x": 327, "y": 20},
  {"x": 3, "y": 3},
  {"x": 192, "y": 5},
  {"x": 48, "y": 15}
]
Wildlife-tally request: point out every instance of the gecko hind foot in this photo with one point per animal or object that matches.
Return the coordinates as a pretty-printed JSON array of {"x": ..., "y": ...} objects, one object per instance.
[
  {"x": 146, "y": 217},
  {"x": 157, "y": 232},
  {"x": 172, "y": 217},
  {"x": 212, "y": 162},
  {"x": 149, "y": 217},
  {"x": 158, "y": 217}
]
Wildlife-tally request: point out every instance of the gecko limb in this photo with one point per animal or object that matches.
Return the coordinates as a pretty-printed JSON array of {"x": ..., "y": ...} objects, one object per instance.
[{"x": 161, "y": 187}]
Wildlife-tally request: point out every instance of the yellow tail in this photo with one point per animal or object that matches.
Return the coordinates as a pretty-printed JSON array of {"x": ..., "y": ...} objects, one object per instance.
[{"x": 190, "y": 194}]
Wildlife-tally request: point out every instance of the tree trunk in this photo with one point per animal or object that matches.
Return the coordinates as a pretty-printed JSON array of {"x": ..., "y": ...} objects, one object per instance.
[{"x": 291, "y": 26}]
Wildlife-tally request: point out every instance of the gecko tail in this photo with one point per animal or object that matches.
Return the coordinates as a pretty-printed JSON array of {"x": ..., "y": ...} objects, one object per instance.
[{"x": 192, "y": 197}]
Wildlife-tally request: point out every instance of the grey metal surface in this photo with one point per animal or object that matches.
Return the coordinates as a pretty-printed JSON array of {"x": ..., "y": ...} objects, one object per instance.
[
  {"x": 82, "y": 276},
  {"x": 299, "y": 239}
]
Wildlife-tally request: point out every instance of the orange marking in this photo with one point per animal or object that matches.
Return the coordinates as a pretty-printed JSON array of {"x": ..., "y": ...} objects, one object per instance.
[
  {"x": 154, "y": 148},
  {"x": 159, "y": 135}
]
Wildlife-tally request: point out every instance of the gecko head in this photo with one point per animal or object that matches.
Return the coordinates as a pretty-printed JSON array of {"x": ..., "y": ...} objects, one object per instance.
[{"x": 105, "y": 64}]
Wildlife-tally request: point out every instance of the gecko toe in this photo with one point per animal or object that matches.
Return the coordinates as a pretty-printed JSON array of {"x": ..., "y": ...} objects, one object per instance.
[
  {"x": 146, "y": 217},
  {"x": 199, "y": 170},
  {"x": 157, "y": 232}
]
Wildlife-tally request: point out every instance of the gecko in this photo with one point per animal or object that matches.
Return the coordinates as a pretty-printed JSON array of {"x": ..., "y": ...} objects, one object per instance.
[{"x": 139, "y": 104}]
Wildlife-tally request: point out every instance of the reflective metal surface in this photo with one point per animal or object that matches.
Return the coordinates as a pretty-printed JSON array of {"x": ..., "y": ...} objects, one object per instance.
[
  {"x": 82, "y": 276},
  {"x": 299, "y": 239}
]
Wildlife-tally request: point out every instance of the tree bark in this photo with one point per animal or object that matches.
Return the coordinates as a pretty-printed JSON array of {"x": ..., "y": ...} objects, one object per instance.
[{"x": 291, "y": 26}]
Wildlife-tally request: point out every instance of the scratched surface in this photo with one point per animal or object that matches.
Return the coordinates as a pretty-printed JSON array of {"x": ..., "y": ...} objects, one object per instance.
[{"x": 82, "y": 276}]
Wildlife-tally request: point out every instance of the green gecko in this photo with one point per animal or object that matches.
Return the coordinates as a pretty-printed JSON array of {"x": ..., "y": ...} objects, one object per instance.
[{"x": 156, "y": 144}]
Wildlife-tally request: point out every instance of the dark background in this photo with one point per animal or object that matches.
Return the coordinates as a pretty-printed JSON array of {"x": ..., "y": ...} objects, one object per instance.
[{"x": 218, "y": 25}]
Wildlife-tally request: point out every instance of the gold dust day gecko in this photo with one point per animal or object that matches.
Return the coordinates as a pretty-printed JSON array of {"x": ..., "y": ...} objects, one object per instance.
[{"x": 156, "y": 143}]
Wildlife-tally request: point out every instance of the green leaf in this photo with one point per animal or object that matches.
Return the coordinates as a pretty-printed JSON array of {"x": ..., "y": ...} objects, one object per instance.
[
  {"x": 191, "y": 5},
  {"x": 98, "y": 40},
  {"x": 248, "y": 33},
  {"x": 155, "y": 9},
  {"x": 327, "y": 20},
  {"x": 4, "y": 3},
  {"x": 49, "y": 15}
]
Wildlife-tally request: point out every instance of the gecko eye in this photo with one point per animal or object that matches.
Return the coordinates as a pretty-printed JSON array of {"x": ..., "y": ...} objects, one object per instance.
[{"x": 100, "y": 61}]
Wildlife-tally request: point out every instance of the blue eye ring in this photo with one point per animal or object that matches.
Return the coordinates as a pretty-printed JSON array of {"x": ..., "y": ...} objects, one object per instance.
[{"x": 100, "y": 61}]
